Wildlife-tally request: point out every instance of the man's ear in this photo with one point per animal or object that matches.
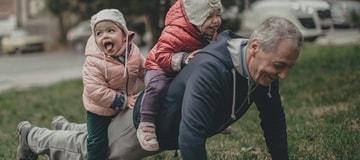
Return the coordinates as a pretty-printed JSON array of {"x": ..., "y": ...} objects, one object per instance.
[{"x": 254, "y": 47}]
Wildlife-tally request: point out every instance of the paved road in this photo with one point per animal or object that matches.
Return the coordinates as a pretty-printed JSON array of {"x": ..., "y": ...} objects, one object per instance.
[
  {"x": 23, "y": 71},
  {"x": 340, "y": 37}
]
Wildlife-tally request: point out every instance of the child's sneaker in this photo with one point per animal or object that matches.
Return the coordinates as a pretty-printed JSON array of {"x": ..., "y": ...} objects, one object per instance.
[{"x": 147, "y": 136}]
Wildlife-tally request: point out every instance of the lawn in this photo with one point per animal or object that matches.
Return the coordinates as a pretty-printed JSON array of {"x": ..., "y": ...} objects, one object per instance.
[{"x": 321, "y": 96}]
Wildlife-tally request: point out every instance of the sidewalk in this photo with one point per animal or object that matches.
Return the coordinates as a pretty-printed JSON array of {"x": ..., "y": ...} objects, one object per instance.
[
  {"x": 39, "y": 69},
  {"x": 340, "y": 37}
]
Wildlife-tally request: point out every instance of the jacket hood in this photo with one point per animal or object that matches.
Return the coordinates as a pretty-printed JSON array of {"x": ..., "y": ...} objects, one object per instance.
[
  {"x": 197, "y": 11},
  {"x": 176, "y": 16},
  {"x": 237, "y": 48},
  {"x": 91, "y": 47},
  {"x": 229, "y": 54}
]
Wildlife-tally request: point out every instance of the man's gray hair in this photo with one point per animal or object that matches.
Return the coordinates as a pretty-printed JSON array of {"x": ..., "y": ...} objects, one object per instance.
[{"x": 275, "y": 29}]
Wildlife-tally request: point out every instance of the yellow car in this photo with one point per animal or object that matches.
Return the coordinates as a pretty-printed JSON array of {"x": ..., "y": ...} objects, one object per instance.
[{"x": 20, "y": 41}]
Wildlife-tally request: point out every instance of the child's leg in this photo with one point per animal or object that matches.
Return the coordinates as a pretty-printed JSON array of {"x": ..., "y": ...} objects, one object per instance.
[
  {"x": 97, "y": 141},
  {"x": 156, "y": 85}
]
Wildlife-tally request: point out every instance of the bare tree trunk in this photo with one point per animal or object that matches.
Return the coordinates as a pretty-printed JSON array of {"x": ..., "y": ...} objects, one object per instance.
[
  {"x": 247, "y": 4},
  {"x": 62, "y": 37}
]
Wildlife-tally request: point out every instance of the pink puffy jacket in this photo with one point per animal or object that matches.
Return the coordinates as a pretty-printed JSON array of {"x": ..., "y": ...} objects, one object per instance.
[
  {"x": 179, "y": 35},
  {"x": 103, "y": 78}
]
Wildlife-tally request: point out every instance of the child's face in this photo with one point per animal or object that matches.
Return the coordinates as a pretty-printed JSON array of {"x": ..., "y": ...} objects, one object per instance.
[
  {"x": 109, "y": 37},
  {"x": 212, "y": 23}
]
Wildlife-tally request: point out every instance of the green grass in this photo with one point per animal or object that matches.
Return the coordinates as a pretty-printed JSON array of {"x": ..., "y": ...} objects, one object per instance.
[{"x": 321, "y": 96}]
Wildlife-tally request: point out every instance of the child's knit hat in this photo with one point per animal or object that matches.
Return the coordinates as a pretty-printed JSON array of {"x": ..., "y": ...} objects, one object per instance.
[
  {"x": 198, "y": 10},
  {"x": 113, "y": 15},
  {"x": 117, "y": 17}
]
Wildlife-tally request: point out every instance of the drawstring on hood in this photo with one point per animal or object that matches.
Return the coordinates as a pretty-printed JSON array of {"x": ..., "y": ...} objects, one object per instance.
[
  {"x": 238, "y": 57},
  {"x": 238, "y": 60},
  {"x": 269, "y": 94},
  {"x": 234, "y": 97},
  {"x": 127, "y": 46},
  {"x": 126, "y": 53},
  {"x": 106, "y": 75},
  {"x": 130, "y": 36},
  {"x": 248, "y": 94}
]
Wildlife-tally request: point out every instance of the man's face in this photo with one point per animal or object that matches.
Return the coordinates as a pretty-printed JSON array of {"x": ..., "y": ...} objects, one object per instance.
[{"x": 265, "y": 67}]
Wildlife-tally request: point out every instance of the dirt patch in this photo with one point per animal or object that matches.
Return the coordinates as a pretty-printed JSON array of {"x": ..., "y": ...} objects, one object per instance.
[{"x": 318, "y": 112}]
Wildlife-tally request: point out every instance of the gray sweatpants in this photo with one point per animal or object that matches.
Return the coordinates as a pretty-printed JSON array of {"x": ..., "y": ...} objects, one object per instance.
[{"x": 71, "y": 143}]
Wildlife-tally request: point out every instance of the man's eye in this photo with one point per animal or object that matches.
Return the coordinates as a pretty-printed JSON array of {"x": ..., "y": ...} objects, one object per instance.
[{"x": 279, "y": 66}]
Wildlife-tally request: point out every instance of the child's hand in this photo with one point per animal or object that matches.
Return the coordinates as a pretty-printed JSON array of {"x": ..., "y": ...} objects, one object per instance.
[
  {"x": 131, "y": 100},
  {"x": 191, "y": 56}
]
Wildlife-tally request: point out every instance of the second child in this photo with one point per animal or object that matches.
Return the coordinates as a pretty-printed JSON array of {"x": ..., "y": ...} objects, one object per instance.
[{"x": 190, "y": 25}]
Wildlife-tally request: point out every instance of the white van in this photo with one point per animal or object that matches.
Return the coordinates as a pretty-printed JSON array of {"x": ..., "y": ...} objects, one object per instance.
[{"x": 312, "y": 17}]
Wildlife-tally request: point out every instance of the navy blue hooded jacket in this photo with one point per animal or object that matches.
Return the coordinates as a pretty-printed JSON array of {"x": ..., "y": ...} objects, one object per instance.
[{"x": 208, "y": 95}]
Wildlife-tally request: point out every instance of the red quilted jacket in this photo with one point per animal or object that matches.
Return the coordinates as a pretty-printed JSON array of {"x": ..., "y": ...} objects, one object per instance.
[{"x": 179, "y": 35}]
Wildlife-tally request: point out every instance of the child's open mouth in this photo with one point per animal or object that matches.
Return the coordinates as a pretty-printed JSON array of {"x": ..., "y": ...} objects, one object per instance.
[{"x": 108, "y": 45}]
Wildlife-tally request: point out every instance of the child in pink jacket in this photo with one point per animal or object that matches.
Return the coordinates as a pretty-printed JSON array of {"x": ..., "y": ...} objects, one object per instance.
[
  {"x": 112, "y": 67},
  {"x": 189, "y": 26}
]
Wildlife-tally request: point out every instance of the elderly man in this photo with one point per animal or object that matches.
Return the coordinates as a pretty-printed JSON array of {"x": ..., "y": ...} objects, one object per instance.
[{"x": 213, "y": 91}]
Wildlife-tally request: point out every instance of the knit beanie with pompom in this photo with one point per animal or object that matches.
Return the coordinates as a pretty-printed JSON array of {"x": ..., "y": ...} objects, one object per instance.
[{"x": 198, "y": 10}]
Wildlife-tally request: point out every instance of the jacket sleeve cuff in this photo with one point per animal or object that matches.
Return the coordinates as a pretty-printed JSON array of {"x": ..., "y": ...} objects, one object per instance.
[
  {"x": 178, "y": 61},
  {"x": 123, "y": 106},
  {"x": 119, "y": 102}
]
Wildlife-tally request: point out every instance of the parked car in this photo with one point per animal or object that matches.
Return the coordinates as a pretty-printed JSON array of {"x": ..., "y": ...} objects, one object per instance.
[
  {"x": 343, "y": 13},
  {"x": 21, "y": 41},
  {"x": 78, "y": 36},
  {"x": 312, "y": 17}
]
